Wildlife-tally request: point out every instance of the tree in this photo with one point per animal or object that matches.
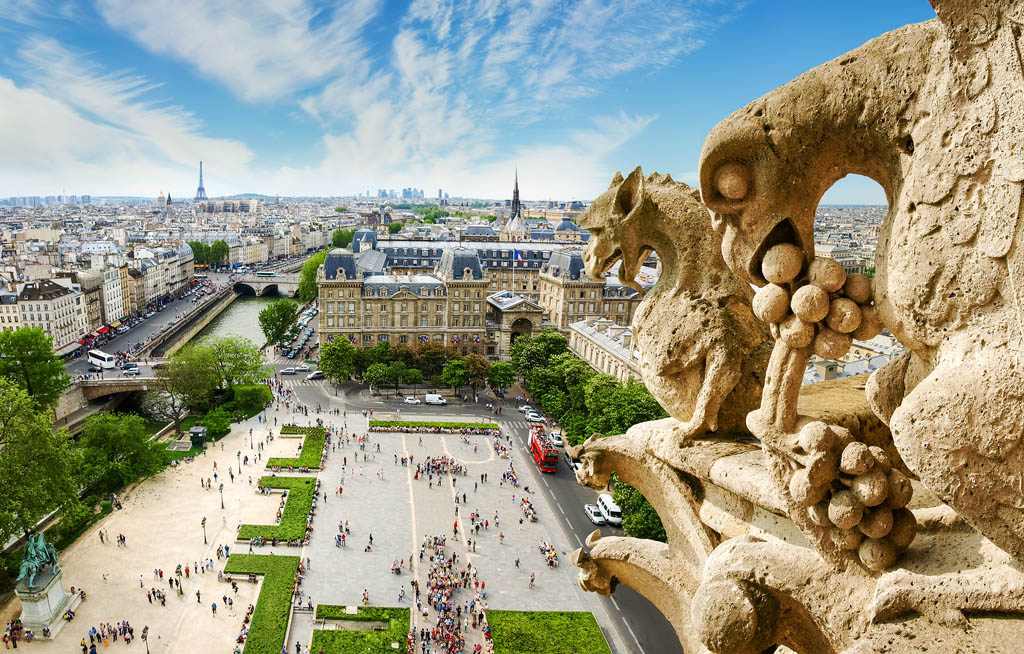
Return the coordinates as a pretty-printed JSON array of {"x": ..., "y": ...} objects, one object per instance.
[
  {"x": 217, "y": 423},
  {"x": 37, "y": 464},
  {"x": 502, "y": 375},
  {"x": 531, "y": 353},
  {"x": 200, "y": 253},
  {"x": 430, "y": 358},
  {"x": 478, "y": 371},
  {"x": 337, "y": 359},
  {"x": 413, "y": 377},
  {"x": 394, "y": 228},
  {"x": 396, "y": 374},
  {"x": 341, "y": 209},
  {"x": 454, "y": 375},
  {"x": 342, "y": 237},
  {"x": 277, "y": 318},
  {"x": 116, "y": 450},
  {"x": 376, "y": 375},
  {"x": 639, "y": 519},
  {"x": 219, "y": 252},
  {"x": 187, "y": 381},
  {"x": 27, "y": 359},
  {"x": 381, "y": 353},
  {"x": 237, "y": 360},
  {"x": 307, "y": 278}
]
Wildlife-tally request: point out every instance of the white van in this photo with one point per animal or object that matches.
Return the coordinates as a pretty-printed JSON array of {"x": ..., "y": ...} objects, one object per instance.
[
  {"x": 609, "y": 509},
  {"x": 434, "y": 398}
]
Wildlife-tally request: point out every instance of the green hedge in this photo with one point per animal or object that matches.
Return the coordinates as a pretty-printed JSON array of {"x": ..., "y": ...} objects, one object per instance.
[
  {"x": 365, "y": 614},
  {"x": 430, "y": 424},
  {"x": 250, "y": 399},
  {"x": 363, "y": 642},
  {"x": 270, "y": 618},
  {"x": 296, "y": 509},
  {"x": 546, "y": 632},
  {"x": 312, "y": 448}
]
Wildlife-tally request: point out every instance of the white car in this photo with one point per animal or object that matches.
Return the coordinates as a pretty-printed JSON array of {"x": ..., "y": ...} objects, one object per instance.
[
  {"x": 594, "y": 514},
  {"x": 411, "y": 400},
  {"x": 526, "y": 408},
  {"x": 288, "y": 371},
  {"x": 557, "y": 439},
  {"x": 535, "y": 417},
  {"x": 303, "y": 368},
  {"x": 316, "y": 374}
]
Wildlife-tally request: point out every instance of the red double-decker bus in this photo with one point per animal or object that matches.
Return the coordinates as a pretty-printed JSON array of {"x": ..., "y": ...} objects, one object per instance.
[{"x": 544, "y": 451}]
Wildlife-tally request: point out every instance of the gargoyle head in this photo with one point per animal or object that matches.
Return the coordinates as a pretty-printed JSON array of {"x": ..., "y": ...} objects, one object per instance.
[{"x": 612, "y": 221}]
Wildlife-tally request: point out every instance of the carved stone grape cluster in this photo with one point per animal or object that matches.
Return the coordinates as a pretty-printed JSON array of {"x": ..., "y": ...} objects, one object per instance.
[
  {"x": 851, "y": 490},
  {"x": 825, "y": 309}
]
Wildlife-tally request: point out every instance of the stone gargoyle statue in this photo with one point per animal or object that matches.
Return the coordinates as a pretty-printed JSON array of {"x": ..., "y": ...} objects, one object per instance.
[{"x": 702, "y": 351}]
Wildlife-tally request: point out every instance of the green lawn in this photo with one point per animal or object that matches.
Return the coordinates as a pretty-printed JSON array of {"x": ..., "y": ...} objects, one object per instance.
[
  {"x": 270, "y": 618},
  {"x": 296, "y": 509},
  {"x": 546, "y": 632},
  {"x": 362, "y": 642},
  {"x": 312, "y": 448}
]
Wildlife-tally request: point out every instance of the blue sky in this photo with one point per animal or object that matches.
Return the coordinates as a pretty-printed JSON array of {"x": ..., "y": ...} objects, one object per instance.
[{"x": 294, "y": 97}]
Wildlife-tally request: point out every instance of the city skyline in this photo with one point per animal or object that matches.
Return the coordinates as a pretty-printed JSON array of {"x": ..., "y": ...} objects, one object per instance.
[{"x": 114, "y": 98}]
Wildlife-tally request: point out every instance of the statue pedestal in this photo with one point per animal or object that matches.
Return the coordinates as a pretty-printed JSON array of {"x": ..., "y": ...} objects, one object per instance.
[{"x": 44, "y": 604}]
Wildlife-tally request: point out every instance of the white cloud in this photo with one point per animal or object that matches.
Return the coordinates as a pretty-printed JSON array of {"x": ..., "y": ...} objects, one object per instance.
[{"x": 79, "y": 123}]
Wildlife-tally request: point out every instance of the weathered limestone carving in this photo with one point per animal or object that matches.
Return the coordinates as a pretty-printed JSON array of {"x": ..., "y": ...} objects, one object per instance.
[
  {"x": 836, "y": 532},
  {"x": 702, "y": 352}
]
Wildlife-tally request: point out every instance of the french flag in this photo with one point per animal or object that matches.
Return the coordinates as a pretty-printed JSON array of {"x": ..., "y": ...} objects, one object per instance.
[{"x": 517, "y": 255}]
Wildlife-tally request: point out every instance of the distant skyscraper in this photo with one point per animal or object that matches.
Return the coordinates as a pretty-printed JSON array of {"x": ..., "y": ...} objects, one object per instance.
[
  {"x": 440, "y": 195},
  {"x": 201, "y": 191}
]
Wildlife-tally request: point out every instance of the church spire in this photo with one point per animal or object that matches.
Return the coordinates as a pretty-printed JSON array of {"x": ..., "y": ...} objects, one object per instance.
[{"x": 516, "y": 213}]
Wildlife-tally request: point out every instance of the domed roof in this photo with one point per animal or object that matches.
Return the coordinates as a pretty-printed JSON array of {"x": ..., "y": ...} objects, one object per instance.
[{"x": 567, "y": 225}]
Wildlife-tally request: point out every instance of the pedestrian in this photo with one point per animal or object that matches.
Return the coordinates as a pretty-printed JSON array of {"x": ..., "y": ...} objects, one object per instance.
[
  {"x": 199, "y": 599},
  {"x": 213, "y": 607}
]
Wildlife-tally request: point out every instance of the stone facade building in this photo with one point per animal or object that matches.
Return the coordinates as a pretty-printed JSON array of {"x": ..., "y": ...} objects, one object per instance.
[
  {"x": 608, "y": 347},
  {"x": 57, "y": 309}
]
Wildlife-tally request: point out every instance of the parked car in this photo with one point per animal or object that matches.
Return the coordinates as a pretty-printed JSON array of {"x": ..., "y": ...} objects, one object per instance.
[
  {"x": 302, "y": 368},
  {"x": 534, "y": 417},
  {"x": 131, "y": 372},
  {"x": 288, "y": 371},
  {"x": 594, "y": 514},
  {"x": 411, "y": 400},
  {"x": 130, "y": 365},
  {"x": 94, "y": 369},
  {"x": 557, "y": 439},
  {"x": 316, "y": 374},
  {"x": 526, "y": 408}
]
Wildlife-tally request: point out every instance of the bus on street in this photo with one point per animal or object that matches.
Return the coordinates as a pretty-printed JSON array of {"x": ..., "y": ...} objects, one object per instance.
[
  {"x": 101, "y": 359},
  {"x": 543, "y": 450}
]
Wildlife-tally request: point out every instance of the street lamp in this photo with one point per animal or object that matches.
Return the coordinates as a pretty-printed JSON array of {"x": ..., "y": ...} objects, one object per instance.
[
  {"x": 145, "y": 632},
  {"x": 204, "y": 530},
  {"x": 222, "y": 495}
]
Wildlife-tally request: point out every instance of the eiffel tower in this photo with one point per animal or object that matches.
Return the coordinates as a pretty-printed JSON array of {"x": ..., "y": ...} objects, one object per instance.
[{"x": 200, "y": 192}]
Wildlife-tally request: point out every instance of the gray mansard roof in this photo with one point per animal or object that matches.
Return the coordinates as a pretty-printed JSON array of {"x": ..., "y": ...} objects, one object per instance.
[
  {"x": 564, "y": 261},
  {"x": 390, "y": 285},
  {"x": 454, "y": 262}
]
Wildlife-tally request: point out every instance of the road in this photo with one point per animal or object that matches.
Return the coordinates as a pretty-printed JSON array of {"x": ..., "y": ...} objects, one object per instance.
[{"x": 639, "y": 623}]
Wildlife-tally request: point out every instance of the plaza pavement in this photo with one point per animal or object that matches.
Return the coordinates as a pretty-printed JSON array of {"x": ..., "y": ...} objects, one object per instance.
[{"x": 161, "y": 521}]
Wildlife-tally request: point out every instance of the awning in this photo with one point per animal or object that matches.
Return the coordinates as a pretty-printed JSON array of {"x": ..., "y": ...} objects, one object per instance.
[
  {"x": 115, "y": 324},
  {"x": 102, "y": 330},
  {"x": 68, "y": 349}
]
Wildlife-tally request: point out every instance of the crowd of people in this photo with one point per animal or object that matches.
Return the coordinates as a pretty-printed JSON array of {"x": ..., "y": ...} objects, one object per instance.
[{"x": 426, "y": 429}]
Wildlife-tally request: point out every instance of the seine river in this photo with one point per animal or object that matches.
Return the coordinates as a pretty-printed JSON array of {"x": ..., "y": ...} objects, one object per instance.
[{"x": 241, "y": 318}]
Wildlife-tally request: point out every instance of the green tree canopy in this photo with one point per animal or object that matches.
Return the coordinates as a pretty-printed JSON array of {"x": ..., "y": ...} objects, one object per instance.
[
  {"x": 337, "y": 359},
  {"x": 413, "y": 377},
  {"x": 396, "y": 373},
  {"x": 237, "y": 359},
  {"x": 502, "y": 375},
  {"x": 341, "y": 209},
  {"x": 430, "y": 358},
  {"x": 200, "y": 253},
  {"x": 341, "y": 238},
  {"x": 116, "y": 450},
  {"x": 478, "y": 371},
  {"x": 530, "y": 353},
  {"x": 394, "y": 228},
  {"x": 217, "y": 423},
  {"x": 219, "y": 252},
  {"x": 27, "y": 359},
  {"x": 307, "y": 278},
  {"x": 376, "y": 375},
  {"x": 277, "y": 318},
  {"x": 187, "y": 381},
  {"x": 454, "y": 375},
  {"x": 37, "y": 464},
  {"x": 639, "y": 519},
  {"x": 381, "y": 353}
]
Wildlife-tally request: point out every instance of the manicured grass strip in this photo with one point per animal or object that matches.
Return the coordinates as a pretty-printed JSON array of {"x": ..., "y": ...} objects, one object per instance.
[
  {"x": 546, "y": 632},
  {"x": 430, "y": 425},
  {"x": 296, "y": 509},
  {"x": 270, "y": 618},
  {"x": 362, "y": 642},
  {"x": 312, "y": 448}
]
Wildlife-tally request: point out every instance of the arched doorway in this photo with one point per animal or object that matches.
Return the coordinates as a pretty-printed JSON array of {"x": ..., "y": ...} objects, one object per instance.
[{"x": 521, "y": 327}]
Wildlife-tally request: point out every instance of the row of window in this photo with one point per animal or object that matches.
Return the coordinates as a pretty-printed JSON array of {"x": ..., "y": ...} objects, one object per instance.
[{"x": 369, "y": 322}]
